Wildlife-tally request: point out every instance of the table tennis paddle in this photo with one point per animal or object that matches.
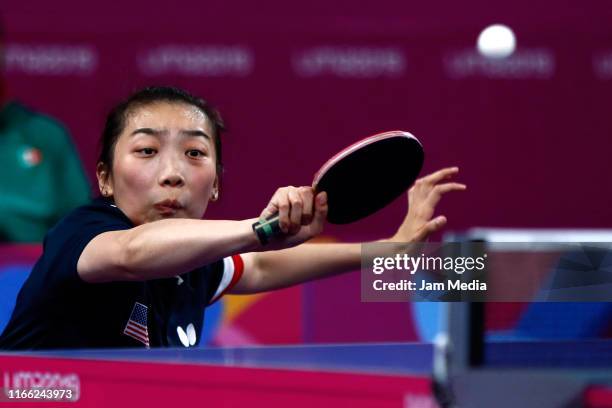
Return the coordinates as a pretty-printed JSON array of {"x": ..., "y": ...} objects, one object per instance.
[{"x": 361, "y": 179}]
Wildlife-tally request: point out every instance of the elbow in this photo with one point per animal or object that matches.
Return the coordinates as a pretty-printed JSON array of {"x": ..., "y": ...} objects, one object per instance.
[{"x": 259, "y": 279}]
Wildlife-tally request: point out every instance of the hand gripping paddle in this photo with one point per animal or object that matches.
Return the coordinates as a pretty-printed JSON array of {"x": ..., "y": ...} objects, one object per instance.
[{"x": 361, "y": 179}]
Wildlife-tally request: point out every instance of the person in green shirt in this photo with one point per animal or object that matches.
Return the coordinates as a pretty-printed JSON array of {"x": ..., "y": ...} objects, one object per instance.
[{"x": 42, "y": 178}]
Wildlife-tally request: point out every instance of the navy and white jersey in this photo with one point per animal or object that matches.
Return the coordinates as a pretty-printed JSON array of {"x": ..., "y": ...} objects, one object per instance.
[{"x": 55, "y": 308}]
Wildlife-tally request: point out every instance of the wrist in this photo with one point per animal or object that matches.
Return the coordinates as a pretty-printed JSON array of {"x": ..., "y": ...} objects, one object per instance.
[
  {"x": 252, "y": 241},
  {"x": 397, "y": 239},
  {"x": 267, "y": 229}
]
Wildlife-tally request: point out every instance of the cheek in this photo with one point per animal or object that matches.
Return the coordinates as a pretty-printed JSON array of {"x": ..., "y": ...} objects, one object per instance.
[
  {"x": 201, "y": 187},
  {"x": 203, "y": 180},
  {"x": 134, "y": 177}
]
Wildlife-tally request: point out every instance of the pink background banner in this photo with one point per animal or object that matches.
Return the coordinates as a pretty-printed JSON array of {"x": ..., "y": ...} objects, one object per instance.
[{"x": 531, "y": 133}]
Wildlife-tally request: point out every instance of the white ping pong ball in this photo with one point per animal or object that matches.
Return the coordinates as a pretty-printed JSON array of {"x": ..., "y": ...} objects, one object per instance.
[{"x": 496, "y": 41}]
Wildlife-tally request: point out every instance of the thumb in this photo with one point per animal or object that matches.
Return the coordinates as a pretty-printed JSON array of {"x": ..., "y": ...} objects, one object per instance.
[
  {"x": 270, "y": 210},
  {"x": 321, "y": 208},
  {"x": 430, "y": 227}
]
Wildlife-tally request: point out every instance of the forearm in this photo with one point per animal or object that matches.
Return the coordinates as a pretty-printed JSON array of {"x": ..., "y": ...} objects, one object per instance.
[
  {"x": 306, "y": 262},
  {"x": 173, "y": 246}
]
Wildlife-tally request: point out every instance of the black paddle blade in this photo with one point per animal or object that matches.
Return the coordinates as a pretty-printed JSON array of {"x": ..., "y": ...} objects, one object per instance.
[{"x": 369, "y": 175}]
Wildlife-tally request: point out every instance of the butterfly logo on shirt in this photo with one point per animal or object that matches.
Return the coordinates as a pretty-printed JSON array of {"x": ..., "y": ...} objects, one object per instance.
[{"x": 188, "y": 337}]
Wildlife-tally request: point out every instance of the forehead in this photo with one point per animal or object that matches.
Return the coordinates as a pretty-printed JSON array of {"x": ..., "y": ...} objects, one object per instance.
[{"x": 168, "y": 116}]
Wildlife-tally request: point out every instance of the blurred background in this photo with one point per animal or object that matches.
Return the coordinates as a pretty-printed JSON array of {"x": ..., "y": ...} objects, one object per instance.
[{"x": 295, "y": 83}]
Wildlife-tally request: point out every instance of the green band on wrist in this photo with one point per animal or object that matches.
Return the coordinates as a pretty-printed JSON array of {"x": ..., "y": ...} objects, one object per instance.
[{"x": 267, "y": 229}]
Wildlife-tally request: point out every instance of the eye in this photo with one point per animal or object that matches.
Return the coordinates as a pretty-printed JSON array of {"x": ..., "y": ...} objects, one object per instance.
[
  {"x": 147, "y": 151},
  {"x": 195, "y": 154}
]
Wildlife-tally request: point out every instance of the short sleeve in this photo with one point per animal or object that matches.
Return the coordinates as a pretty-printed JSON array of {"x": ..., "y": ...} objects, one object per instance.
[
  {"x": 66, "y": 241},
  {"x": 233, "y": 267}
]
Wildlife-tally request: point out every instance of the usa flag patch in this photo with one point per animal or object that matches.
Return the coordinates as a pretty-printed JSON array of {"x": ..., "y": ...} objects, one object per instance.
[{"x": 136, "y": 327}]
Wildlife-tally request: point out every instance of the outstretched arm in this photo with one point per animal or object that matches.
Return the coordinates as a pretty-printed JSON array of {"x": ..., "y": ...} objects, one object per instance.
[{"x": 281, "y": 268}]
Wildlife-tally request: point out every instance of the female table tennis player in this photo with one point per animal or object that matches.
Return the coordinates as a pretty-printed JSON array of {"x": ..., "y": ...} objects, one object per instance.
[{"x": 137, "y": 267}]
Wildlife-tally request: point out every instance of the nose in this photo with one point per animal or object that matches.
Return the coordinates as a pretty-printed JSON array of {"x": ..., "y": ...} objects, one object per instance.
[
  {"x": 171, "y": 175},
  {"x": 173, "y": 180}
]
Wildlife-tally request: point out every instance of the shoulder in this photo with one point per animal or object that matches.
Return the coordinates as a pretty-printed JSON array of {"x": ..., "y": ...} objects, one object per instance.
[
  {"x": 64, "y": 243},
  {"x": 99, "y": 216}
]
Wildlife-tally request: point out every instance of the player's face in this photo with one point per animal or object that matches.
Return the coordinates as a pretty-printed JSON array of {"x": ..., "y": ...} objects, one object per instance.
[{"x": 164, "y": 163}]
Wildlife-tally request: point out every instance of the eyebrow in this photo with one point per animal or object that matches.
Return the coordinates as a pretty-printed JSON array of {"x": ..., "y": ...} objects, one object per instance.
[{"x": 159, "y": 132}]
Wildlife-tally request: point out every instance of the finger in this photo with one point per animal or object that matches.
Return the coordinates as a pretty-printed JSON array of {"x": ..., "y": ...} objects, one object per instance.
[
  {"x": 430, "y": 227},
  {"x": 321, "y": 209},
  {"x": 443, "y": 174},
  {"x": 436, "y": 193},
  {"x": 284, "y": 207},
  {"x": 307, "y": 200},
  {"x": 295, "y": 212},
  {"x": 271, "y": 209},
  {"x": 446, "y": 187}
]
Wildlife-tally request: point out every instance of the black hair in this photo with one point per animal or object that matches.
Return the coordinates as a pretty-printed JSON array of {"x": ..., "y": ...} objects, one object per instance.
[{"x": 117, "y": 117}]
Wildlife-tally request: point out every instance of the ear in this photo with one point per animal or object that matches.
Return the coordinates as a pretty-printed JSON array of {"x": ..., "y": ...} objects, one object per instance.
[
  {"x": 105, "y": 182},
  {"x": 215, "y": 192}
]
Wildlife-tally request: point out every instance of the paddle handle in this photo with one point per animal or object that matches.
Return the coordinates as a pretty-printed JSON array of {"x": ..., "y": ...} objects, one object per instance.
[{"x": 267, "y": 228}]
